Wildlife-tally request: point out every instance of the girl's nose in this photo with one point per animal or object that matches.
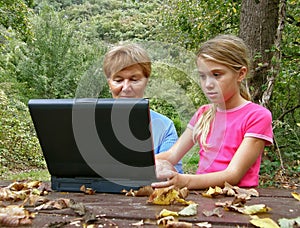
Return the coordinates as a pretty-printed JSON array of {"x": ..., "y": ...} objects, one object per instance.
[{"x": 210, "y": 82}]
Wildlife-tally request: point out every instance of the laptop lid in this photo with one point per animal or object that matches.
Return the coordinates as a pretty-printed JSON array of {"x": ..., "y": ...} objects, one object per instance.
[{"x": 104, "y": 144}]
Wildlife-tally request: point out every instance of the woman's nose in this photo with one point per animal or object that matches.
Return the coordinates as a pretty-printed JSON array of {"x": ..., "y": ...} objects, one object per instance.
[{"x": 126, "y": 84}]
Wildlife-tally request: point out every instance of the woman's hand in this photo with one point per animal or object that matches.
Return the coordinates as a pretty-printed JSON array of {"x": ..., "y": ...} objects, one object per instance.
[{"x": 166, "y": 172}]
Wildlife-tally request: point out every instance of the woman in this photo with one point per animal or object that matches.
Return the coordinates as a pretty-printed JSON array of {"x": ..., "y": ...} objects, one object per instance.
[{"x": 127, "y": 69}]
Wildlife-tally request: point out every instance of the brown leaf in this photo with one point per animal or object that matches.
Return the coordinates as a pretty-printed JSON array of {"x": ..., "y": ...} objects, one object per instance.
[
  {"x": 88, "y": 191},
  {"x": 144, "y": 191},
  {"x": 174, "y": 224}
]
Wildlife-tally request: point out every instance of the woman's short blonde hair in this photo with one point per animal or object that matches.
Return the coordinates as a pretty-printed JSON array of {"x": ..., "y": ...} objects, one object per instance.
[{"x": 122, "y": 56}]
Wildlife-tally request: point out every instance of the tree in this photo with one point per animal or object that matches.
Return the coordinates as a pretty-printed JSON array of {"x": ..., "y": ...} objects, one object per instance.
[{"x": 258, "y": 27}]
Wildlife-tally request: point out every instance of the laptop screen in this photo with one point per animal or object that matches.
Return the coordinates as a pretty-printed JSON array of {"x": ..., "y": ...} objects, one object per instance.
[{"x": 91, "y": 138}]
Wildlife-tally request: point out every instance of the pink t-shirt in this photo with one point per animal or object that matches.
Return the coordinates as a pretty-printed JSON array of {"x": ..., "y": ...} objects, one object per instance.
[{"x": 229, "y": 129}]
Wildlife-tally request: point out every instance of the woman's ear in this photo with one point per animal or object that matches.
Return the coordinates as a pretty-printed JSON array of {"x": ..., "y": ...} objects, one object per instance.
[{"x": 242, "y": 73}]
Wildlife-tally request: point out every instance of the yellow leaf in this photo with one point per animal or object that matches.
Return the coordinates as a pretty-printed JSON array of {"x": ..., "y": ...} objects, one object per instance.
[
  {"x": 166, "y": 196},
  {"x": 165, "y": 213},
  {"x": 211, "y": 192},
  {"x": 298, "y": 124},
  {"x": 254, "y": 209},
  {"x": 296, "y": 195},
  {"x": 263, "y": 222}
]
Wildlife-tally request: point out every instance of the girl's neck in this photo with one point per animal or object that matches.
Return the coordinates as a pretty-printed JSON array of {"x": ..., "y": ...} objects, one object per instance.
[{"x": 233, "y": 103}]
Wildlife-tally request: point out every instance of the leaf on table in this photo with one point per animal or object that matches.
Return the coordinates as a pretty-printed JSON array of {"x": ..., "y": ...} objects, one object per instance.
[
  {"x": 139, "y": 223},
  {"x": 289, "y": 223},
  {"x": 164, "y": 220},
  {"x": 14, "y": 215},
  {"x": 296, "y": 195},
  {"x": 88, "y": 191},
  {"x": 203, "y": 224},
  {"x": 143, "y": 191},
  {"x": 183, "y": 192},
  {"x": 54, "y": 204},
  {"x": 228, "y": 190},
  {"x": 190, "y": 210},
  {"x": 251, "y": 210},
  {"x": 35, "y": 200},
  {"x": 212, "y": 192},
  {"x": 263, "y": 222},
  {"x": 166, "y": 213},
  {"x": 179, "y": 224},
  {"x": 215, "y": 211},
  {"x": 167, "y": 196}
]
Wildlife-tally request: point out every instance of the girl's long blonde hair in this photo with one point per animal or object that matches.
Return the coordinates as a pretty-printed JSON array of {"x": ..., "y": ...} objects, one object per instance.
[{"x": 232, "y": 52}]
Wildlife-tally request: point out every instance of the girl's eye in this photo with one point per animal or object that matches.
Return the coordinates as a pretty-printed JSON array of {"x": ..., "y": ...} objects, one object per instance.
[{"x": 216, "y": 74}]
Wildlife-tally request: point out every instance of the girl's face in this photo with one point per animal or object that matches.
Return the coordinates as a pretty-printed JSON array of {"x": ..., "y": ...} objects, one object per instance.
[
  {"x": 128, "y": 83},
  {"x": 219, "y": 83}
]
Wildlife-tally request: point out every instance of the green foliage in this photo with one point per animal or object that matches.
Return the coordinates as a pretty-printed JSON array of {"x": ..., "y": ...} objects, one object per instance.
[
  {"x": 192, "y": 22},
  {"x": 58, "y": 56},
  {"x": 19, "y": 147},
  {"x": 15, "y": 15}
]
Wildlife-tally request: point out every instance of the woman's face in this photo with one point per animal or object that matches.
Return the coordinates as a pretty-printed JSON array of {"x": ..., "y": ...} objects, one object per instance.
[
  {"x": 128, "y": 83},
  {"x": 219, "y": 83}
]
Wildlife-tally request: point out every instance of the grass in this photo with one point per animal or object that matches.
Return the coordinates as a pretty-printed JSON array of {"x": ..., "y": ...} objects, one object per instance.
[{"x": 35, "y": 174}]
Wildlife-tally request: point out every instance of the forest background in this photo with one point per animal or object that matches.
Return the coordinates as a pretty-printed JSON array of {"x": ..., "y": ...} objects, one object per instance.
[{"x": 54, "y": 49}]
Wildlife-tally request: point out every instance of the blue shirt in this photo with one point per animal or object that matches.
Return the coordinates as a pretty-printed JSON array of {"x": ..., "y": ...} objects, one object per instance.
[{"x": 164, "y": 134}]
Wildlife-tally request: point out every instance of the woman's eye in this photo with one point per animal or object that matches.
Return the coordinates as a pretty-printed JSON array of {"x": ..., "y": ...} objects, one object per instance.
[{"x": 216, "y": 74}]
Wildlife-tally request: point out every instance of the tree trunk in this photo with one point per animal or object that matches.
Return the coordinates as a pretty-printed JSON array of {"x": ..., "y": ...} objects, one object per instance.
[{"x": 258, "y": 27}]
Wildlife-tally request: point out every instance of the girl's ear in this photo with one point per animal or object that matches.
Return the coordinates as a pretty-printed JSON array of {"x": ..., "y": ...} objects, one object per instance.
[{"x": 242, "y": 73}]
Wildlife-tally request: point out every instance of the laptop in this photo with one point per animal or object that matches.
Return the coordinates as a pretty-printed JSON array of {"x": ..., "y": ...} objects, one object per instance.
[{"x": 101, "y": 143}]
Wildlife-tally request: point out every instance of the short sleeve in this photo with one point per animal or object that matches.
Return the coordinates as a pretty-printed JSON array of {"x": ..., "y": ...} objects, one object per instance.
[
  {"x": 259, "y": 125},
  {"x": 196, "y": 116}
]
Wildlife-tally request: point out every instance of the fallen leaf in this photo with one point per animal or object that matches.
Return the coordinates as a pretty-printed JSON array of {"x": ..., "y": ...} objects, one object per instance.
[
  {"x": 166, "y": 213},
  {"x": 203, "y": 224},
  {"x": 190, "y": 210},
  {"x": 289, "y": 223},
  {"x": 215, "y": 211},
  {"x": 144, "y": 191},
  {"x": 296, "y": 195},
  {"x": 54, "y": 204},
  {"x": 164, "y": 221},
  {"x": 139, "y": 223},
  {"x": 183, "y": 192},
  {"x": 14, "y": 215},
  {"x": 250, "y": 210},
  {"x": 166, "y": 196},
  {"x": 254, "y": 209},
  {"x": 263, "y": 222},
  {"x": 174, "y": 224},
  {"x": 88, "y": 191},
  {"x": 212, "y": 192}
]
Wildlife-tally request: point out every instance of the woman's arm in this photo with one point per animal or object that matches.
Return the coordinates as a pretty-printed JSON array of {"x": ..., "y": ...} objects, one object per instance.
[{"x": 243, "y": 159}]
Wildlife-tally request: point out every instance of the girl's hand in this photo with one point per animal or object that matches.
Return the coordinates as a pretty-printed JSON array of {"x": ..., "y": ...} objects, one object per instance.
[{"x": 175, "y": 180}]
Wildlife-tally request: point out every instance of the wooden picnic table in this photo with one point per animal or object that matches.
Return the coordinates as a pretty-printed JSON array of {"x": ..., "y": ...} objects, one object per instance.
[{"x": 118, "y": 210}]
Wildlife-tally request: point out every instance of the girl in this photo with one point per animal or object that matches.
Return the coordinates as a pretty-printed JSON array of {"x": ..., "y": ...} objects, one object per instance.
[{"x": 231, "y": 131}]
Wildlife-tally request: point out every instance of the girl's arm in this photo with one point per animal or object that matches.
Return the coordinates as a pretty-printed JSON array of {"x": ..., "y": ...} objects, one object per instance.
[
  {"x": 179, "y": 149},
  {"x": 243, "y": 159}
]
